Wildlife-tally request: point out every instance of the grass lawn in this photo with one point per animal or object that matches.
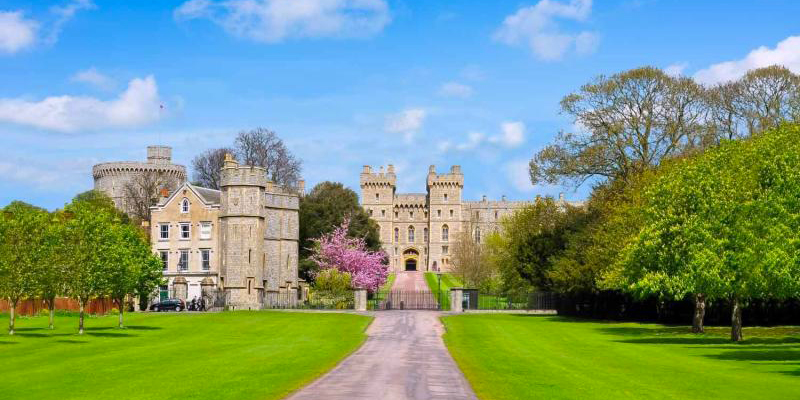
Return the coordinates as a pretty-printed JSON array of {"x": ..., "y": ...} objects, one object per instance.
[
  {"x": 387, "y": 286},
  {"x": 448, "y": 281},
  {"x": 232, "y": 355},
  {"x": 527, "y": 357}
]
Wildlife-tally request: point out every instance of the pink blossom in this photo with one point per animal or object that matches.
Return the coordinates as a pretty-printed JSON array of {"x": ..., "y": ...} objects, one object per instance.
[{"x": 348, "y": 254}]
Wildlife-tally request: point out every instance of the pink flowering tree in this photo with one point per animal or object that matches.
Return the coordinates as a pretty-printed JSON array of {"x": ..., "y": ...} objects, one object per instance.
[{"x": 367, "y": 269}]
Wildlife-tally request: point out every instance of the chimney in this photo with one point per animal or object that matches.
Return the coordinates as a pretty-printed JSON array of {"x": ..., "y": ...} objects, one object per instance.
[
  {"x": 503, "y": 198},
  {"x": 164, "y": 192},
  {"x": 390, "y": 169},
  {"x": 561, "y": 196},
  {"x": 301, "y": 187},
  {"x": 367, "y": 170},
  {"x": 484, "y": 198}
]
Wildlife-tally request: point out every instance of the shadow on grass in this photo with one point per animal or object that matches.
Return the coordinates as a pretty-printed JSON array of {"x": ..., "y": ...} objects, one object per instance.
[
  {"x": 110, "y": 334},
  {"x": 758, "y": 355},
  {"x": 72, "y": 341},
  {"x": 4, "y": 342},
  {"x": 143, "y": 327}
]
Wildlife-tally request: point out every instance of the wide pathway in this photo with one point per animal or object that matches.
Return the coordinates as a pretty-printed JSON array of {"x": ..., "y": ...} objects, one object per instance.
[
  {"x": 410, "y": 281},
  {"x": 404, "y": 357}
]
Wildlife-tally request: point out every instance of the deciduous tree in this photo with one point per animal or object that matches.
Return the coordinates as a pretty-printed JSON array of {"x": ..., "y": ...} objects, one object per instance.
[
  {"x": 368, "y": 269},
  {"x": 206, "y": 167}
]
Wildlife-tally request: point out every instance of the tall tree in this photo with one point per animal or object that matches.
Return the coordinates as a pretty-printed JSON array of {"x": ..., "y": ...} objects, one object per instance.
[
  {"x": 263, "y": 148},
  {"x": 627, "y": 122},
  {"x": 207, "y": 167},
  {"x": 326, "y": 207},
  {"x": 131, "y": 259},
  {"x": 50, "y": 276},
  {"x": 468, "y": 258},
  {"x": 144, "y": 190},
  {"x": 23, "y": 251}
]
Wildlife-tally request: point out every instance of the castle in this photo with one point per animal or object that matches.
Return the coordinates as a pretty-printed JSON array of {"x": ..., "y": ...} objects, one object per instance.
[
  {"x": 237, "y": 246},
  {"x": 417, "y": 229}
]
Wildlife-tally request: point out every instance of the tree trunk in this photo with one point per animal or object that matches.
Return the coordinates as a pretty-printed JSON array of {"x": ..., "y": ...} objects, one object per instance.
[
  {"x": 736, "y": 321},
  {"x": 12, "y": 305},
  {"x": 699, "y": 313},
  {"x": 121, "y": 305},
  {"x": 80, "y": 319},
  {"x": 51, "y": 305}
]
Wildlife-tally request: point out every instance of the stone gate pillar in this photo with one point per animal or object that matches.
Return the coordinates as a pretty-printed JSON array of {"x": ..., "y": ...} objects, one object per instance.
[
  {"x": 181, "y": 287},
  {"x": 456, "y": 297},
  {"x": 360, "y": 299}
]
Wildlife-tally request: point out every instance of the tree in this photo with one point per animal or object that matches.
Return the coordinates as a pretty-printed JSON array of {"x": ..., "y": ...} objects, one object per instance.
[
  {"x": 368, "y": 269},
  {"x": 131, "y": 259},
  {"x": 144, "y": 190},
  {"x": 469, "y": 259},
  {"x": 632, "y": 121},
  {"x": 23, "y": 251},
  {"x": 263, "y": 148},
  {"x": 50, "y": 282},
  {"x": 207, "y": 167},
  {"x": 326, "y": 207},
  {"x": 723, "y": 225}
]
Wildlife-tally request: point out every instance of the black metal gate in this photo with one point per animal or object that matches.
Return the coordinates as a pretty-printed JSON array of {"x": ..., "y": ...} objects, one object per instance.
[{"x": 404, "y": 300}]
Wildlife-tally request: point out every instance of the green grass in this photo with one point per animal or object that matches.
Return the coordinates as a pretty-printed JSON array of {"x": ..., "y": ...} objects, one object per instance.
[
  {"x": 448, "y": 281},
  {"x": 527, "y": 357},
  {"x": 387, "y": 286},
  {"x": 232, "y": 355}
]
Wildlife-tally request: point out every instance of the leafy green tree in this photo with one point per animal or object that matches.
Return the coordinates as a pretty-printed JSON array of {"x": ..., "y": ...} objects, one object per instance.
[
  {"x": 50, "y": 275},
  {"x": 23, "y": 251},
  {"x": 324, "y": 208},
  {"x": 131, "y": 259},
  {"x": 724, "y": 225}
]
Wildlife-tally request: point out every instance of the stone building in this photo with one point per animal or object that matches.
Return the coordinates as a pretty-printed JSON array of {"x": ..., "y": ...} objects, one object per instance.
[
  {"x": 111, "y": 178},
  {"x": 417, "y": 229},
  {"x": 240, "y": 241}
]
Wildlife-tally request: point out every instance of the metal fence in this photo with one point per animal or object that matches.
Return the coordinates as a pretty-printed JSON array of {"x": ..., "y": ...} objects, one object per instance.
[
  {"x": 316, "y": 300},
  {"x": 515, "y": 301},
  {"x": 403, "y": 300}
]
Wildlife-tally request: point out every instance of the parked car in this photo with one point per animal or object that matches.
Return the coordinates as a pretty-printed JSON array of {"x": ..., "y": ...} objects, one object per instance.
[{"x": 168, "y": 304}]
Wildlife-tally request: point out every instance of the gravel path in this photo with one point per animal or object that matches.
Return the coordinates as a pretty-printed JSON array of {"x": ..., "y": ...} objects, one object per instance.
[{"x": 404, "y": 357}]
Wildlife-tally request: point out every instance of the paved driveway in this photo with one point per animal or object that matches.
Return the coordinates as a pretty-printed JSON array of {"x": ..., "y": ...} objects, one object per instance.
[{"x": 404, "y": 357}]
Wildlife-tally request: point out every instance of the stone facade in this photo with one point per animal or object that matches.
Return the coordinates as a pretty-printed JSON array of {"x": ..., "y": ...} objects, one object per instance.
[
  {"x": 417, "y": 229},
  {"x": 110, "y": 178},
  {"x": 253, "y": 241}
]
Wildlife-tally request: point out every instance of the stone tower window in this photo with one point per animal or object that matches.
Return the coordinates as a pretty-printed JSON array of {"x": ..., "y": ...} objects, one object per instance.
[
  {"x": 383, "y": 213},
  {"x": 478, "y": 235},
  {"x": 425, "y": 235},
  {"x": 410, "y": 234},
  {"x": 411, "y": 214},
  {"x": 445, "y": 197},
  {"x": 396, "y": 214},
  {"x": 185, "y": 206},
  {"x": 451, "y": 213},
  {"x": 377, "y": 196},
  {"x": 439, "y": 213},
  {"x": 396, "y": 235},
  {"x": 495, "y": 215},
  {"x": 445, "y": 233},
  {"x": 370, "y": 212}
]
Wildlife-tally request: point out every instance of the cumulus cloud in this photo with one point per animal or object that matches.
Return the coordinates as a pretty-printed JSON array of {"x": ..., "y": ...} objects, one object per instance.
[
  {"x": 94, "y": 78},
  {"x": 512, "y": 134},
  {"x": 786, "y": 53},
  {"x": 536, "y": 27},
  {"x": 407, "y": 122},
  {"x": 16, "y": 32},
  {"x": 676, "y": 69},
  {"x": 272, "y": 21},
  {"x": 137, "y": 105},
  {"x": 455, "y": 89}
]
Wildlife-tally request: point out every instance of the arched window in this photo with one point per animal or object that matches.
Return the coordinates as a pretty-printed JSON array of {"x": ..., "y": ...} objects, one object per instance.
[
  {"x": 445, "y": 233},
  {"x": 410, "y": 234},
  {"x": 396, "y": 235},
  {"x": 478, "y": 235},
  {"x": 425, "y": 235},
  {"x": 185, "y": 206}
]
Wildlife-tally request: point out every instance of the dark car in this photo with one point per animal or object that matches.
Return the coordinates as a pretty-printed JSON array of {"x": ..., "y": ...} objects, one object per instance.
[{"x": 168, "y": 304}]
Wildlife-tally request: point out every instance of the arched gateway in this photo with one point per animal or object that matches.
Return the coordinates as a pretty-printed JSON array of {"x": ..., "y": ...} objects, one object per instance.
[{"x": 411, "y": 259}]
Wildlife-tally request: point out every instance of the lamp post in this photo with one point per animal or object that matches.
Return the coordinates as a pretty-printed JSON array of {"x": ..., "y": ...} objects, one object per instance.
[{"x": 439, "y": 290}]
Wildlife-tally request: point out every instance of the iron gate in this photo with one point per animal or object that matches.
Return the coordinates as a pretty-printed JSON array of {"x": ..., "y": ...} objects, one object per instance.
[{"x": 404, "y": 300}]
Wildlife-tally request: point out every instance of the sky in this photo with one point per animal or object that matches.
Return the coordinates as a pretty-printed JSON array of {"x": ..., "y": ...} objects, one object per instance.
[{"x": 345, "y": 83}]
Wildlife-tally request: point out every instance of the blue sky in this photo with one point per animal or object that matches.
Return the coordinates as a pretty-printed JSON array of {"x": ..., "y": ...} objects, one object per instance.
[{"x": 343, "y": 82}]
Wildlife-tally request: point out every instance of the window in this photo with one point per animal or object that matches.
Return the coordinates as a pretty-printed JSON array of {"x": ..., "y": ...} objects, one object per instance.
[
  {"x": 183, "y": 262},
  {"x": 396, "y": 214},
  {"x": 410, "y": 234},
  {"x": 439, "y": 213},
  {"x": 205, "y": 259},
  {"x": 495, "y": 215},
  {"x": 185, "y": 206},
  {"x": 451, "y": 213},
  {"x": 445, "y": 249},
  {"x": 445, "y": 197},
  {"x": 411, "y": 214},
  {"x": 396, "y": 235},
  {"x": 205, "y": 230},
  {"x": 370, "y": 212},
  {"x": 395, "y": 251},
  {"x": 163, "y": 231},
  {"x": 377, "y": 196},
  {"x": 477, "y": 215},
  {"x": 164, "y": 259},
  {"x": 445, "y": 233},
  {"x": 425, "y": 235},
  {"x": 478, "y": 235},
  {"x": 383, "y": 213},
  {"x": 186, "y": 231}
]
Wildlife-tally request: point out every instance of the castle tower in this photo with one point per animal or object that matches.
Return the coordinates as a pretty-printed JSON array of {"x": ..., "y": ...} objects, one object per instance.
[
  {"x": 444, "y": 204},
  {"x": 242, "y": 228},
  {"x": 377, "y": 198}
]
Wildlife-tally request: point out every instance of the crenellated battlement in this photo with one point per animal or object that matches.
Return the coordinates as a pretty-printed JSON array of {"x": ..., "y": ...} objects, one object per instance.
[{"x": 449, "y": 179}]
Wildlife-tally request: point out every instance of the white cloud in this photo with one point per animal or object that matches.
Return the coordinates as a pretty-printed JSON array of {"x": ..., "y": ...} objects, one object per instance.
[
  {"x": 272, "y": 21},
  {"x": 46, "y": 175},
  {"x": 137, "y": 105},
  {"x": 519, "y": 175},
  {"x": 407, "y": 122},
  {"x": 786, "y": 53},
  {"x": 16, "y": 32},
  {"x": 94, "y": 78},
  {"x": 455, "y": 89},
  {"x": 676, "y": 69},
  {"x": 513, "y": 134},
  {"x": 64, "y": 14},
  {"x": 536, "y": 27},
  {"x": 473, "y": 140}
]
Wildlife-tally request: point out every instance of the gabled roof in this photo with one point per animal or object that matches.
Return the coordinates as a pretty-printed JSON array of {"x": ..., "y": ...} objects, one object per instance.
[{"x": 209, "y": 197}]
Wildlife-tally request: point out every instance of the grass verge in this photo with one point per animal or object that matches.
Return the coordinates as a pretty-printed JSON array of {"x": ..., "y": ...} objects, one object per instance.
[{"x": 448, "y": 281}]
